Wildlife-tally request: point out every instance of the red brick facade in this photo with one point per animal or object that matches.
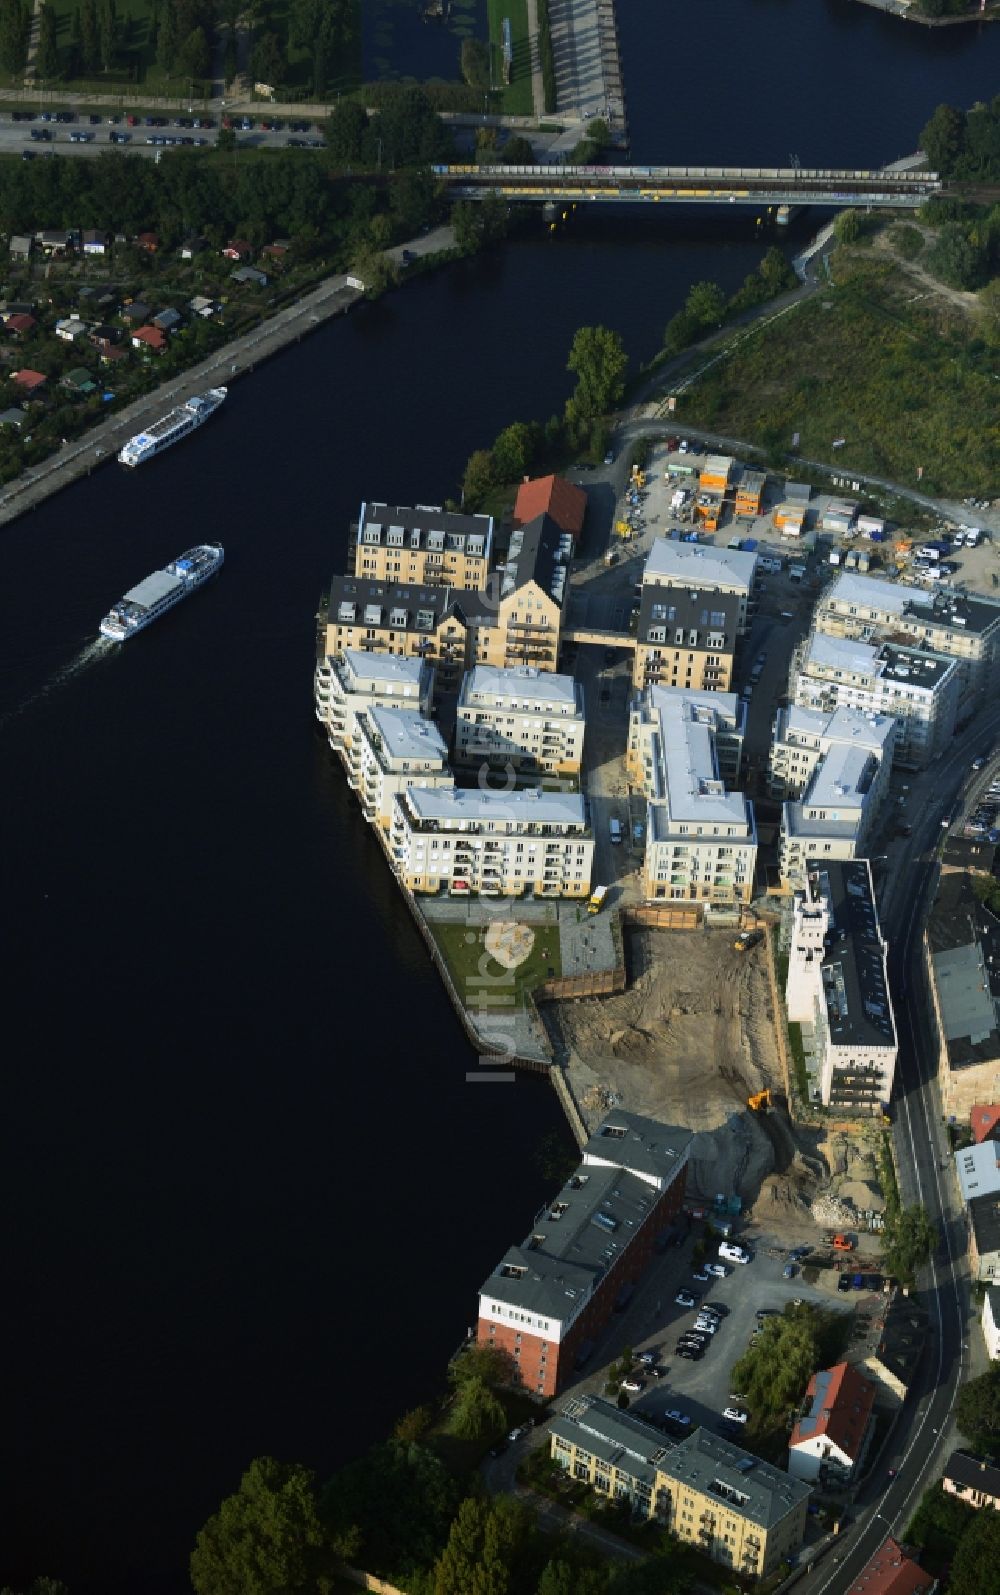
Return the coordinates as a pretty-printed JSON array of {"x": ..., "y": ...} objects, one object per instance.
[{"x": 547, "y": 1365}]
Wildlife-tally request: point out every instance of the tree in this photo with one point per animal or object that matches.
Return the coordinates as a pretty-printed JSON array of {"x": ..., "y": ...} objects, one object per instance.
[
  {"x": 411, "y": 1428},
  {"x": 976, "y": 1568},
  {"x": 599, "y": 362},
  {"x": 346, "y": 127},
  {"x": 475, "y": 1411},
  {"x": 375, "y": 269},
  {"x": 267, "y": 60},
  {"x": 488, "y": 1540},
  {"x": 910, "y": 1238},
  {"x": 412, "y": 201},
  {"x": 517, "y": 152},
  {"x": 47, "y": 65},
  {"x": 267, "y": 1538},
  {"x": 107, "y": 33},
  {"x": 39, "y": 1586},
  {"x": 943, "y": 139},
  {"x": 167, "y": 41},
  {"x": 939, "y": 1522},
  {"x": 847, "y": 227},
  {"x": 491, "y": 1364},
  {"x": 476, "y": 63},
  {"x": 706, "y": 304},
  {"x": 775, "y": 272},
  {"x": 90, "y": 48},
  {"x": 989, "y": 305},
  {"x": 680, "y": 331},
  {"x": 955, "y": 257},
  {"x": 13, "y": 36},
  {"x": 395, "y": 1543},
  {"x": 194, "y": 58},
  {"x": 513, "y": 451},
  {"x": 978, "y": 1411},
  {"x": 480, "y": 479}
]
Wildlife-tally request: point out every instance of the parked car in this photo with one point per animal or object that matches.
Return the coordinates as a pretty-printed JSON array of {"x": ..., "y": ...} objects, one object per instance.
[
  {"x": 768, "y": 1312},
  {"x": 684, "y": 1298},
  {"x": 676, "y": 1416},
  {"x": 701, "y": 1275},
  {"x": 633, "y": 1386},
  {"x": 789, "y": 1271},
  {"x": 717, "y": 1270},
  {"x": 647, "y": 1358},
  {"x": 734, "y": 1415},
  {"x": 516, "y": 1434},
  {"x": 689, "y": 1353}
]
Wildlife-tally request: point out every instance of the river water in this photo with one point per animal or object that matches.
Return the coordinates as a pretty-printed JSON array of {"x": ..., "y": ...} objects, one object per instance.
[{"x": 249, "y": 1193}]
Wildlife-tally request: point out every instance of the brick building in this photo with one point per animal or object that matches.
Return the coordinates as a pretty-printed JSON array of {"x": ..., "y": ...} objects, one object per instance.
[{"x": 550, "y": 1296}]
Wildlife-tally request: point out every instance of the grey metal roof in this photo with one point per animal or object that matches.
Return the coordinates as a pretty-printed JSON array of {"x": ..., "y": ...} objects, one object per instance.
[
  {"x": 364, "y": 665},
  {"x": 859, "y": 1009},
  {"x": 695, "y": 612},
  {"x": 964, "y": 939},
  {"x": 433, "y": 526},
  {"x": 743, "y": 1484},
  {"x": 415, "y": 607},
  {"x": 152, "y": 588},
  {"x": 967, "y": 1008},
  {"x": 643, "y": 1145},
  {"x": 973, "y": 1473},
  {"x": 978, "y": 1169},
  {"x": 984, "y": 1216},
  {"x": 407, "y": 734},
  {"x": 623, "y": 1441},
  {"x": 699, "y": 566},
  {"x": 537, "y": 689},
  {"x": 443, "y": 807}
]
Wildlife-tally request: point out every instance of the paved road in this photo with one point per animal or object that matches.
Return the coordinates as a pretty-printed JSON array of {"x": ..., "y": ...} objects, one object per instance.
[{"x": 924, "y": 1431}]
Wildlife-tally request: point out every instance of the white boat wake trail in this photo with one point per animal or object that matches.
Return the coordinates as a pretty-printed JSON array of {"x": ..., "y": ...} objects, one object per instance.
[{"x": 99, "y": 649}]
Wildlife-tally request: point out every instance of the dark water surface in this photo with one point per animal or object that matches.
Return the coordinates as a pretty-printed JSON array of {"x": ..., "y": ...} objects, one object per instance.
[{"x": 248, "y": 1193}]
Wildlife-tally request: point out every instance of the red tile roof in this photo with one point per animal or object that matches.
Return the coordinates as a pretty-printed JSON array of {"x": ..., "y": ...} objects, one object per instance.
[
  {"x": 840, "y": 1407},
  {"x": 985, "y": 1116},
  {"x": 892, "y": 1572},
  {"x": 27, "y": 379},
  {"x": 19, "y": 323},
  {"x": 151, "y": 335},
  {"x": 554, "y": 496}
]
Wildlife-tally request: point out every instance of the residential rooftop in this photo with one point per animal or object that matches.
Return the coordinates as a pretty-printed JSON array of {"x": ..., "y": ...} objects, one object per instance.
[
  {"x": 397, "y": 670},
  {"x": 401, "y": 606},
  {"x": 699, "y": 566},
  {"x": 948, "y": 609},
  {"x": 455, "y": 810},
  {"x": 615, "y": 1437},
  {"x": 540, "y": 552},
  {"x": 984, "y": 1216},
  {"x": 522, "y": 687},
  {"x": 685, "y": 765},
  {"x": 964, "y": 941},
  {"x": 892, "y": 1571},
  {"x": 859, "y": 1009},
  {"x": 839, "y": 1408},
  {"x": 746, "y": 1486},
  {"x": 678, "y": 617},
  {"x": 644, "y": 1146},
  {"x": 407, "y": 735},
  {"x": 973, "y": 1473},
  {"x": 427, "y": 527}
]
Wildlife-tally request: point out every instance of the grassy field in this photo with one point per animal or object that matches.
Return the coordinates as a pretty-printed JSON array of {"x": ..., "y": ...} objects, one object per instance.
[
  {"x": 469, "y": 964},
  {"x": 901, "y": 376},
  {"x": 517, "y": 100}
]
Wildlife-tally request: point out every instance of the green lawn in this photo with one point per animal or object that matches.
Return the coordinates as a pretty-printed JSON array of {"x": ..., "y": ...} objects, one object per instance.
[
  {"x": 904, "y": 381},
  {"x": 479, "y": 979},
  {"x": 517, "y": 99}
]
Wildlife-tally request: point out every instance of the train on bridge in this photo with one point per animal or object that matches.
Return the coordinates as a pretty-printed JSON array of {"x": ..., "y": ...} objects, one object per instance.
[{"x": 694, "y": 184}]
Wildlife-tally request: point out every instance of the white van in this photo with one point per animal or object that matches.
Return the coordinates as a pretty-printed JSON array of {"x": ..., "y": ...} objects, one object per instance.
[{"x": 733, "y": 1254}]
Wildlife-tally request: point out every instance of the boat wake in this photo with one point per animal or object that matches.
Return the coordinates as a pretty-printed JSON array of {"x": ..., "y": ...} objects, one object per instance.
[{"x": 99, "y": 649}]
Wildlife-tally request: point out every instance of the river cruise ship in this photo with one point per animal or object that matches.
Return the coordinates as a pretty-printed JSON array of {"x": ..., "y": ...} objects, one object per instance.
[
  {"x": 161, "y": 590},
  {"x": 171, "y": 428}
]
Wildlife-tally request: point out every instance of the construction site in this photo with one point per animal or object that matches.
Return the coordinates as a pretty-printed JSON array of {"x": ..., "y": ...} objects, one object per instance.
[{"x": 704, "y": 1052}]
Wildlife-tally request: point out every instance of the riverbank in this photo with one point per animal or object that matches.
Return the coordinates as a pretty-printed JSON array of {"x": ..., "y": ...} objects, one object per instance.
[
  {"x": 908, "y": 13},
  {"x": 102, "y": 442}
]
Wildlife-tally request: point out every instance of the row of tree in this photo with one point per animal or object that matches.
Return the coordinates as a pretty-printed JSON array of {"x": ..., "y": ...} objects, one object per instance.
[
  {"x": 598, "y": 360},
  {"x": 964, "y": 144},
  {"x": 707, "y": 305}
]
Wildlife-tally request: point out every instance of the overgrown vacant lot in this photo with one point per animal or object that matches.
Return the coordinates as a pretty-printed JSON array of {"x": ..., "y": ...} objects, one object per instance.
[{"x": 900, "y": 373}]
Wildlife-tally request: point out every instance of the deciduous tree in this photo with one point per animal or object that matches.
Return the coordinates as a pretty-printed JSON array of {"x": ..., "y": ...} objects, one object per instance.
[
  {"x": 598, "y": 360},
  {"x": 943, "y": 139},
  {"x": 475, "y": 62},
  {"x": 266, "y": 1538},
  {"x": 475, "y": 1411},
  {"x": 976, "y": 1568},
  {"x": 978, "y": 1411}
]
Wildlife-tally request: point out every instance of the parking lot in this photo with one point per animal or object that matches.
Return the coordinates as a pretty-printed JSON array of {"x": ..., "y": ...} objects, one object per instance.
[{"x": 702, "y": 1389}]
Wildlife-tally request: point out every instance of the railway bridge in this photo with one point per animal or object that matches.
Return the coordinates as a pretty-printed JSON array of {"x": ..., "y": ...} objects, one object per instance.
[{"x": 693, "y": 185}]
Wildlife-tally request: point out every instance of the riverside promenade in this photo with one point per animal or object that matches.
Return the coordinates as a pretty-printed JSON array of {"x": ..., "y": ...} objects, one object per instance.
[{"x": 102, "y": 442}]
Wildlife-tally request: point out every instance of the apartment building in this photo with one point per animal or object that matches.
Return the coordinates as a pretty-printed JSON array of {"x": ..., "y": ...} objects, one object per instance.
[
  {"x": 870, "y": 608},
  {"x": 436, "y": 624},
  {"x": 962, "y": 957},
  {"x": 424, "y": 546},
  {"x": 530, "y": 599},
  {"x": 830, "y": 1440},
  {"x": 833, "y": 771},
  {"x": 743, "y": 1513},
  {"x": 838, "y": 987},
  {"x": 701, "y": 837},
  {"x": 702, "y": 569},
  {"x": 973, "y": 1480},
  {"x": 496, "y": 844},
  {"x": 349, "y": 683},
  {"x": 553, "y": 496},
  {"x": 983, "y": 1220},
  {"x": 549, "y": 1297},
  {"x": 991, "y": 1322},
  {"x": 614, "y": 1452},
  {"x": 686, "y": 639},
  {"x": 531, "y": 720},
  {"x": 393, "y": 750},
  {"x": 919, "y": 689}
]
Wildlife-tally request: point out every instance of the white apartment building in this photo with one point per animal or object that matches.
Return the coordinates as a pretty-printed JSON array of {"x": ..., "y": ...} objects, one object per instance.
[
  {"x": 397, "y": 749},
  {"x": 838, "y": 986},
  {"x": 499, "y": 844},
  {"x": 918, "y": 688},
  {"x": 701, "y": 838},
  {"x": 833, "y": 771},
  {"x": 991, "y": 1323},
  {"x": 349, "y": 683},
  {"x": 870, "y": 608},
  {"x": 701, "y": 568},
  {"x": 529, "y": 719}
]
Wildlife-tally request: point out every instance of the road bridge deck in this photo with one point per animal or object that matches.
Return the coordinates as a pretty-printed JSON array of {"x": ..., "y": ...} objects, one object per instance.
[{"x": 733, "y": 185}]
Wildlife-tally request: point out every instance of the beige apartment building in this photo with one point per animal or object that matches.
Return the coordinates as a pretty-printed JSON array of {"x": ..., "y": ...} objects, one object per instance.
[
  {"x": 396, "y": 749},
  {"x": 532, "y": 720},
  {"x": 833, "y": 770},
  {"x": 349, "y": 683},
  {"x": 962, "y": 627},
  {"x": 701, "y": 836},
  {"x": 701, "y": 568},
  {"x": 743, "y": 1513},
  {"x": 686, "y": 638},
  {"x": 530, "y": 599},
  {"x": 426, "y": 546},
  {"x": 496, "y": 844}
]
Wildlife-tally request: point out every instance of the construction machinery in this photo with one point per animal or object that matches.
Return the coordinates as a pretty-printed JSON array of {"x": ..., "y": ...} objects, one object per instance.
[
  {"x": 760, "y": 1102},
  {"x": 747, "y": 939}
]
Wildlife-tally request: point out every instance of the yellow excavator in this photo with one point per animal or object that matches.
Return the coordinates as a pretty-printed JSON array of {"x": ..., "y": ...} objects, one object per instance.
[{"x": 760, "y": 1102}]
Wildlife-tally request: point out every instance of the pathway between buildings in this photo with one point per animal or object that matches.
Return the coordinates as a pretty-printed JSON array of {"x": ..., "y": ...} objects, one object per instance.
[{"x": 535, "y": 56}]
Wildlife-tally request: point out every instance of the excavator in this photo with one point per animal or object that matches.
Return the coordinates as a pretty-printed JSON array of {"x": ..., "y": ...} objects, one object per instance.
[{"x": 760, "y": 1102}]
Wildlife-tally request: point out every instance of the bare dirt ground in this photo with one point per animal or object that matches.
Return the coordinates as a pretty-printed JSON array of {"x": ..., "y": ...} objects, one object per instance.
[{"x": 687, "y": 1043}]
